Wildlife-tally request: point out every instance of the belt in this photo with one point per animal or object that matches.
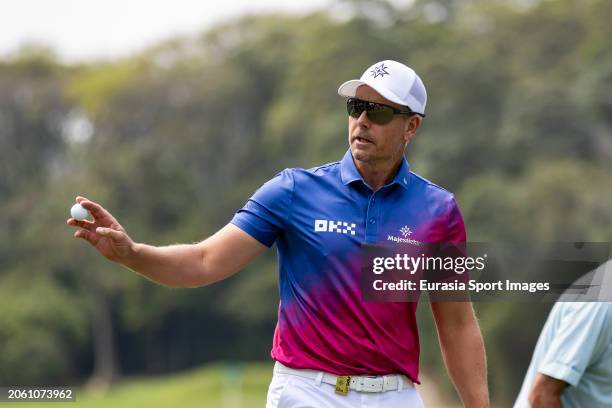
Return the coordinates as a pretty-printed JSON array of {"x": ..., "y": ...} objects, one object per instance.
[{"x": 362, "y": 383}]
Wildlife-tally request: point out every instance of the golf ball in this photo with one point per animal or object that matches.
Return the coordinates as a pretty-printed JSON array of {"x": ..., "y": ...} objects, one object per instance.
[{"x": 78, "y": 212}]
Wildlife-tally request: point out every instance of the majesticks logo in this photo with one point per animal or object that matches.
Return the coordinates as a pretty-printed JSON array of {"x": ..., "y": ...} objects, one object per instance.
[{"x": 404, "y": 239}]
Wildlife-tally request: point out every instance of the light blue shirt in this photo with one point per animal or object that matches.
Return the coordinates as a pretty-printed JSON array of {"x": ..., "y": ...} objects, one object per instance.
[{"x": 575, "y": 346}]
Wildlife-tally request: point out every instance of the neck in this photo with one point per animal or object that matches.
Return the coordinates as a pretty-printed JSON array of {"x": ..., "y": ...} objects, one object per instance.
[{"x": 378, "y": 174}]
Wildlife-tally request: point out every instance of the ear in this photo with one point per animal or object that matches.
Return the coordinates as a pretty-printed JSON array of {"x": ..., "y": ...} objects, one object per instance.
[{"x": 411, "y": 125}]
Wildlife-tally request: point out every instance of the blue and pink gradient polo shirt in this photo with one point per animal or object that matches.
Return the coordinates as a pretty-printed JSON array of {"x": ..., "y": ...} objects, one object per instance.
[{"x": 319, "y": 219}]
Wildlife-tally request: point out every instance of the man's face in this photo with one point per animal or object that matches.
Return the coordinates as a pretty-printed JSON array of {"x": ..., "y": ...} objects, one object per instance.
[{"x": 371, "y": 143}]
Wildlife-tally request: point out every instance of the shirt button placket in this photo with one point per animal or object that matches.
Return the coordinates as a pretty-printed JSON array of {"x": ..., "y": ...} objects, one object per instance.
[{"x": 371, "y": 215}]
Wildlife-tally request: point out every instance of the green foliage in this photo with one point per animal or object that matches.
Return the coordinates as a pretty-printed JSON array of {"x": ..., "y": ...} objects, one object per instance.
[
  {"x": 548, "y": 202},
  {"x": 93, "y": 88},
  {"x": 41, "y": 327}
]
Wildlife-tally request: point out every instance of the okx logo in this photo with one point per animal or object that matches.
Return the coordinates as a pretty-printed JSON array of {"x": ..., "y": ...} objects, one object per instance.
[{"x": 341, "y": 227}]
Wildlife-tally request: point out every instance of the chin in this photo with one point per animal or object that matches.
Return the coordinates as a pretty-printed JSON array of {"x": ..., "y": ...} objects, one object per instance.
[{"x": 361, "y": 155}]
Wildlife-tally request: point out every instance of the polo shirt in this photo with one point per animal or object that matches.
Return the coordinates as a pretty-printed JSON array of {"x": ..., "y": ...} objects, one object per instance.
[
  {"x": 575, "y": 346},
  {"x": 319, "y": 219}
]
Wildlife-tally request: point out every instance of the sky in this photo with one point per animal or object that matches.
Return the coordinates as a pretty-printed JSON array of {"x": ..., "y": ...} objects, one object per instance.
[{"x": 81, "y": 30}]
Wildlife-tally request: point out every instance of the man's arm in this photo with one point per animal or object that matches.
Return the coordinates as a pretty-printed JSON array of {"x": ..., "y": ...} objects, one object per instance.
[
  {"x": 216, "y": 258},
  {"x": 189, "y": 265},
  {"x": 463, "y": 351},
  {"x": 546, "y": 392}
]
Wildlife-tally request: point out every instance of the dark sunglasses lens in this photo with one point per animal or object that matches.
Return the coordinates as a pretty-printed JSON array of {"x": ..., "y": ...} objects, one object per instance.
[
  {"x": 354, "y": 107},
  {"x": 380, "y": 115}
]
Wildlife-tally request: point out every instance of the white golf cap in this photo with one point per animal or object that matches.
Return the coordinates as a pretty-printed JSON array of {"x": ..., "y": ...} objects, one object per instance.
[{"x": 394, "y": 81}]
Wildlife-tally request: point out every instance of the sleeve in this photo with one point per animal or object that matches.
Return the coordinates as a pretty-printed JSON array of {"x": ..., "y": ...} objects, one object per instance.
[
  {"x": 576, "y": 342},
  {"x": 456, "y": 227},
  {"x": 453, "y": 246},
  {"x": 265, "y": 214}
]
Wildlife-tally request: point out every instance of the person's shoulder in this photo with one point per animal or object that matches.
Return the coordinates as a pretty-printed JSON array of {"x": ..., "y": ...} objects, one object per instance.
[
  {"x": 431, "y": 192},
  {"x": 322, "y": 170},
  {"x": 578, "y": 311},
  {"x": 438, "y": 200},
  {"x": 573, "y": 306},
  {"x": 424, "y": 183},
  {"x": 604, "y": 308}
]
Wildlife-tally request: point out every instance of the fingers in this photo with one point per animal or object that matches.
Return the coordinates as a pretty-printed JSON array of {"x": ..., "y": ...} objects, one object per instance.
[
  {"x": 96, "y": 210},
  {"x": 110, "y": 233},
  {"x": 88, "y": 225},
  {"x": 93, "y": 231},
  {"x": 87, "y": 236},
  {"x": 94, "y": 235}
]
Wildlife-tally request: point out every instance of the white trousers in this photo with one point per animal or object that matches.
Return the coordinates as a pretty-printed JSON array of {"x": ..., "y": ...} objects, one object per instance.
[{"x": 292, "y": 391}]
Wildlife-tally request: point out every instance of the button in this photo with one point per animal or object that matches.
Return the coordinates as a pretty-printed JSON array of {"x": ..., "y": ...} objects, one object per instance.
[{"x": 372, "y": 221}]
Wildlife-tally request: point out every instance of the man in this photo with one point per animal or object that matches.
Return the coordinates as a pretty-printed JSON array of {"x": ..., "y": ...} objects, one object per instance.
[
  {"x": 571, "y": 365},
  {"x": 331, "y": 347}
]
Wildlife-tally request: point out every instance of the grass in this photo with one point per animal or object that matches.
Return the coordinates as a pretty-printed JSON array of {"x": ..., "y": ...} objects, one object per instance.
[
  {"x": 215, "y": 385},
  {"x": 218, "y": 385}
]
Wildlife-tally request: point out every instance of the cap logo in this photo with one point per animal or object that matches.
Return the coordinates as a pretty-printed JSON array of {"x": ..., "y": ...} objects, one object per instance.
[{"x": 379, "y": 70}]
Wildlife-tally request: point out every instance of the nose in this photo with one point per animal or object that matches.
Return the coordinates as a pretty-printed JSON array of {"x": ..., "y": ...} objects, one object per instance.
[{"x": 363, "y": 120}]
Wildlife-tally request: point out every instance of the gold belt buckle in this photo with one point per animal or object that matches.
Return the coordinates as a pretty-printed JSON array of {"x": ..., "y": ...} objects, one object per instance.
[{"x": 342, "y": 384}]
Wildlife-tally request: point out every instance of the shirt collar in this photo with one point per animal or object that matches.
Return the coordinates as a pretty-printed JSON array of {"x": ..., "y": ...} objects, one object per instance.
[{"x": 349, "y": 172}]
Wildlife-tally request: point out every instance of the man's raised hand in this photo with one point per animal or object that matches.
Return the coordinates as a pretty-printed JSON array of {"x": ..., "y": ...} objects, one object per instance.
[{"x": 104, "y": 232}]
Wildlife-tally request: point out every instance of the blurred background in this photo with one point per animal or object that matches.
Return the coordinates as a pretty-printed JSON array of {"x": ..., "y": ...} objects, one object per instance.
[{"x": 172, "y": 122}]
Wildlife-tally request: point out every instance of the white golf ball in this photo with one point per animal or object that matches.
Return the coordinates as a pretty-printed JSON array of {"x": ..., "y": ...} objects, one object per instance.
[{"x": 78, "y": 212}]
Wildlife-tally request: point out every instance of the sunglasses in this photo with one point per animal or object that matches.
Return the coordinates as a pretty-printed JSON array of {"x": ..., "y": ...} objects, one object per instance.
[{"x": 376, "y": 112}]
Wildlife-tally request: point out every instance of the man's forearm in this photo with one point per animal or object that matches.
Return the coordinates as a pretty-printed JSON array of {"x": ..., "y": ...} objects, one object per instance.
[
  {"x": 463, "y": 351},
  {"x": 226, "y": 252},
  {"x": 546, "y": 392},
  {"x": 175, "y": 265},
  {"x": 465, "y": 360},
  {"x": 545, "y": 401}
]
